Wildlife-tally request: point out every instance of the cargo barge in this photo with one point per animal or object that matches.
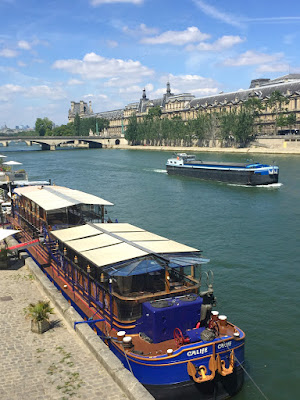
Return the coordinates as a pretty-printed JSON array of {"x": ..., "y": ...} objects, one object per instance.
[
  {"x": 142, "y": 293},
  {"x": 251, "y": 174}
]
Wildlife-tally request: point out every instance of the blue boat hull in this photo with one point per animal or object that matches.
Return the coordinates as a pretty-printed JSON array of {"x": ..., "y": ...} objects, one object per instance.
[
  {"x": 250, "y": 178},
  {"x": 220, "y": 388}
]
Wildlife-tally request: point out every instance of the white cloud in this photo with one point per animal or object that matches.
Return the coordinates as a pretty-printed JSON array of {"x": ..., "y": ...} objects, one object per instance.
[
  {"x": 8, "y": 53},
  {"x": 21, "y": 64},
  {"x": 280, "y": 67},
  {"x": 276, "y": 20},
  {"x": 194, "y": 84},
  {"x": 38, "y": 42},
  {"x": 137, "y": 90},
  {"x": 121, "y": 82},
  {"x": 38, "y": 61},
  {"x": 99, "y": 2},
  {"x": 219, "y": 15},
  {"x": 130, "y": 89},
  {"x": 44, "y": 91},
  {"x": 112, "y": 43},
  {"x": 190, "y": 35},
  {"x": 9, "y": 91},
  {"x": 93, "y": 66},
  {"x": 91, "y": 96},
  {"x": 223, "y": 43},
  {"x": 72, "y": 82},
  {"x": 290, "y": 38},
  {"x": 24, "y": 45},
  {"x": 149, "y": 87},
  {"x": 141, "y": 29},
  {"x": 251, "y": 57}
]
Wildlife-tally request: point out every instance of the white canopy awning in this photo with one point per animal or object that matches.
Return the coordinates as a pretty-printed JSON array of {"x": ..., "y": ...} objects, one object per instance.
[
  {"x": 106, "y": 244},
  {"x": 12, "y": 163},
  {"x": 4, "y": 233},
  {"x": 57, "y": 197}
]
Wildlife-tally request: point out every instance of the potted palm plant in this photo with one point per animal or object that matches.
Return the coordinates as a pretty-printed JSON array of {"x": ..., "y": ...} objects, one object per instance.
[
  {"x": 39, "y": 314},
  {"x": 4, "y": 258}
]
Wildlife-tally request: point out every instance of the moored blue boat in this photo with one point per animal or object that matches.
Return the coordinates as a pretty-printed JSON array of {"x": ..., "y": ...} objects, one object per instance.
[{"x": 141, "y": 292}]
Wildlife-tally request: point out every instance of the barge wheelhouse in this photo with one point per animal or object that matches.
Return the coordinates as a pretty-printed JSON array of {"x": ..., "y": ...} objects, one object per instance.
[
  {"x": 251, "y": 174},
  {"x": 139, "y": 291}
]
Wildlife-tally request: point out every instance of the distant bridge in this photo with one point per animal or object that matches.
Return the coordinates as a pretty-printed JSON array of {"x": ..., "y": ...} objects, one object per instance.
[{"x": 52, "y": 142}]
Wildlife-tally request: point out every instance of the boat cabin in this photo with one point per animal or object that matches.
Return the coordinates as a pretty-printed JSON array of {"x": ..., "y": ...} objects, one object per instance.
[
  {"x": 56, "y": 207},
  {"x": 125, "y": 272}
]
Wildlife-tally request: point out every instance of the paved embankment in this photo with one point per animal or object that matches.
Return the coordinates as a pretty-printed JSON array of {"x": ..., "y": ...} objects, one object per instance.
[
  {"x": 61, "y": 363},
  {"x": 291, "y": 148}
]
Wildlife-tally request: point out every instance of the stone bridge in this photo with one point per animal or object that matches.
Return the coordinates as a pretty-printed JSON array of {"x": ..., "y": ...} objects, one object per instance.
[{"x": 52, "y": 142}]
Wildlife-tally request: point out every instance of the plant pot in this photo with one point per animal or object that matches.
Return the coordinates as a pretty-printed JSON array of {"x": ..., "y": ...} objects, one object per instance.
[
  {"x": 40, "y": 326},
  {"x": 4, "y": 263}
]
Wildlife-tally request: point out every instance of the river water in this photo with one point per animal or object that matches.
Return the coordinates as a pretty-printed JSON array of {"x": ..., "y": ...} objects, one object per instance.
[{"x": 250, "y": 234}]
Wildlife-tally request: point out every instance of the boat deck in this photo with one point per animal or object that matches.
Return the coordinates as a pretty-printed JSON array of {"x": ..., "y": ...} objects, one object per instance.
[
  {"x": 214, "y": 163},
  {"x": 140, "y": 345}
]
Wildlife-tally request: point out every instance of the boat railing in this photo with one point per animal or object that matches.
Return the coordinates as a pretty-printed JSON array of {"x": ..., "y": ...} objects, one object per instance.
[
  {"x": 82, "y": 282},
  {"x": 30, "y": 226}
]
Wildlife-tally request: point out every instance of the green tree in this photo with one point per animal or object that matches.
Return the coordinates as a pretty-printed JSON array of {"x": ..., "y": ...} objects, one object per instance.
[
  {"x": 87, "y": 124},
  {"x": 154, "y": 112},
  {"x": 254, "y": 106},
  {"x": 227, "y": 121},
  {"x": 76, "y": 125},
  {"x": 275, "y": 103},
  {"x": 43, "y": 126},
  {"x": 237, "y": 126},
  {"x": 131, "y": 133},
  {"x": 63, "y": 130},
  {"x": 281, "y": 120},
  {"x": 243, "y": 127},
  {"x": 291, "y": 120}
]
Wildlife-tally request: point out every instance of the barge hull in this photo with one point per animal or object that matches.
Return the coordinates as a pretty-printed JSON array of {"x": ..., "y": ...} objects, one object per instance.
[
  {"x": 220, "y": 388},
  {"x": 231, "y": 176}
]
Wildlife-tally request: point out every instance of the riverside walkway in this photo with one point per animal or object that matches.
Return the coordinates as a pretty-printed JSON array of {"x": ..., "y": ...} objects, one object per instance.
[{"x": 54, "y": 365}]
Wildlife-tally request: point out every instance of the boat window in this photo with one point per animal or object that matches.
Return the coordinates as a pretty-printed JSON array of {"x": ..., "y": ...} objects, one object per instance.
[{"x": 128, "y": 310}]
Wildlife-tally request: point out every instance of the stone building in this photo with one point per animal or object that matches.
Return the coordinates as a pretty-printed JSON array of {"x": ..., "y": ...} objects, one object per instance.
[
  {"x": 188, "y": 106},
  {"x": 81, "y": 108}
]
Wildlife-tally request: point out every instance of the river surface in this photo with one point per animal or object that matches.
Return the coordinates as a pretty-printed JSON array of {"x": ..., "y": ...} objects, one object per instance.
[{"x": 250, "y": 234}]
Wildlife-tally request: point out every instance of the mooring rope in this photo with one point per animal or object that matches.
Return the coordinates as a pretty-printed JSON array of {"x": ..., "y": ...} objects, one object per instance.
[
  {"x": 249, "y": 376},
  {"x": 127, "y": 361}
]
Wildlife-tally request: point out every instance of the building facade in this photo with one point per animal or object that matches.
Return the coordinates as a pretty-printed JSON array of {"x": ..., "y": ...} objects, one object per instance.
[{"x": 187, "y": 106}]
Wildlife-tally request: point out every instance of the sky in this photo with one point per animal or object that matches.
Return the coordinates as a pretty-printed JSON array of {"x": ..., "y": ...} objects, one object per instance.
[{"x": 53, "y": 52}]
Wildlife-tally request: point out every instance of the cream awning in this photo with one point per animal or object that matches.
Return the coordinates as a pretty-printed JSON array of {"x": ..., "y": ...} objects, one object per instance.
[
  {"x": 93, "y": 242},
  {"x": 106, "y": 244},
  {"x": 113, "y": 254},
  {"x": 57, "y": 197},
  {"x": 119, "y": 227},
  {"x": 76, "y": 232},
  {"x": 5, "y": 233}
]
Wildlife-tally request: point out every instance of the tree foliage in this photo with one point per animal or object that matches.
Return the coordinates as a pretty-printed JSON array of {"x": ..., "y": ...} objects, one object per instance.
[
  {"x": 276, "y": 103},
  {"x": 87, "y": 124},
  {"x": 63, "y": 130},
  {"x": 234, "y": 128},
  {"x": 80, "y": 127},
  {"x": 76, "y": 125},
  {"x": 291, "y": 120},
  {"x": 43, "y": 126}
]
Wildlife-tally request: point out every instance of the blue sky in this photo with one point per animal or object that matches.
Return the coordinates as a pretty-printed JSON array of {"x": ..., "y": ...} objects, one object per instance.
[{"x": 107, "y": 51}]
